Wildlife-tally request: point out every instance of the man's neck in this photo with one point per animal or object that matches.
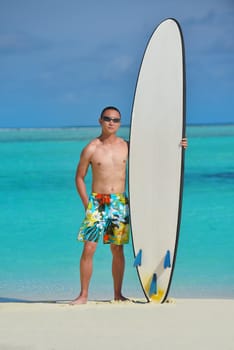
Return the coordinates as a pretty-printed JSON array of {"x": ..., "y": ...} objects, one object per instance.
[{"x": 108, "y": 138}]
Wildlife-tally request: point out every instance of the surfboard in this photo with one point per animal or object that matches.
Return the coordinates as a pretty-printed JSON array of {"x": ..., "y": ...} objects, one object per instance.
[{"x": 156, "y": 159}]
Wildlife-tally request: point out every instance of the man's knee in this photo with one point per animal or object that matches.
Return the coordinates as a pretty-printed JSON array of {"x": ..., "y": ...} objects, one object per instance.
[{"x": 89, "y": 248}]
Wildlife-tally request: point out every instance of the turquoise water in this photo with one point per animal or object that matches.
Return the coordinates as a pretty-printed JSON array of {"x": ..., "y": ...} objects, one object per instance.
[{"x": 41, "y": 213}]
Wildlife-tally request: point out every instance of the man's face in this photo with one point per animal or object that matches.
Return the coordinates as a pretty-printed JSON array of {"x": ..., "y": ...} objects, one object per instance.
[{"x": 110, "y": 121}]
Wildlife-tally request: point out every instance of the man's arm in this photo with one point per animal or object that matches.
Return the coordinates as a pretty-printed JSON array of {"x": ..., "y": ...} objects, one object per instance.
[{"x": 81, "y": 172}]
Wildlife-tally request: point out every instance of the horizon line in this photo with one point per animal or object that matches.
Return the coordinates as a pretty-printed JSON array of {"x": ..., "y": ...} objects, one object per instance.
[{"x": 94, "y": 126}]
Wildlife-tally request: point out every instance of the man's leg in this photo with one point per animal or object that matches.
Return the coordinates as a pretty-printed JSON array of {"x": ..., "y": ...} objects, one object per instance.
[
  {"x": 118, "y": 265},
  {"x": 86, "y": 269}
]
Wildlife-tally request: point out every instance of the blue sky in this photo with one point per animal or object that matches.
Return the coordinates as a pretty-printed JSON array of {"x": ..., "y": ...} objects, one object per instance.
[{"x": 62, "y": 61}]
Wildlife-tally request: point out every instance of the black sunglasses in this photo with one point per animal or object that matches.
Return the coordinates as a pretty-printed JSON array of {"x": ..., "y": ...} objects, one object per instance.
[{"x": 108, "y": 119}]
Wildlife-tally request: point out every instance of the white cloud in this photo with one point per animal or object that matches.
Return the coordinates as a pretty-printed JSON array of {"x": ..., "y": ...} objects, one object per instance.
[
  {"x": 118, "y": 65},
  {"x": 70, "y": 97},
  {"x": 21, "y": 43}
]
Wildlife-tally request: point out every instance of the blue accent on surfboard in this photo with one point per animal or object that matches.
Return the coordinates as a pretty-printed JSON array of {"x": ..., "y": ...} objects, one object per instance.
[
  {"x": 137, "y": 261},
  {"x": 167, "y": 260},
  {"x": 153, "y": 285}
]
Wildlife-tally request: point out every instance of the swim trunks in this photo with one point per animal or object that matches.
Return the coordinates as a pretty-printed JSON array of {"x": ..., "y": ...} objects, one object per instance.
[{"x": 106, "y": 215}]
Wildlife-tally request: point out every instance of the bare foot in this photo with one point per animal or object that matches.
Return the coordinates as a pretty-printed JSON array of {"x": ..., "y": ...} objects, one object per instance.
[
  {"x": 121, "y": 298},
  {"x": 79, "y": 301}
]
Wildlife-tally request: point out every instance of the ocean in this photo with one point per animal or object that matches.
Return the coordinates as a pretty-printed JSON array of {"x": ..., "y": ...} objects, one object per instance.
[{"x": 41, "y": 213}]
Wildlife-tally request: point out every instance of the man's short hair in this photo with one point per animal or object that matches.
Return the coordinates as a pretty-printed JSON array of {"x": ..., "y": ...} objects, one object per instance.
[{"x": 110, "y": 107}]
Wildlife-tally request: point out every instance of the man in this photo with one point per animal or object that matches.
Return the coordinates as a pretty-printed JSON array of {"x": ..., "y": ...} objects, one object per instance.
[{"x": 107, "y": 211}]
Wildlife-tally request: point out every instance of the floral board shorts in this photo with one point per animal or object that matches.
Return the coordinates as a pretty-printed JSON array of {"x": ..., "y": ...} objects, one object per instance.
[{"x": 106, "y": 215}]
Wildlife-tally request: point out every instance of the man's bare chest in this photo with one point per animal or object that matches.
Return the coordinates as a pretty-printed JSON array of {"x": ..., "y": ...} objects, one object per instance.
[{"x": 109, "y": 156}]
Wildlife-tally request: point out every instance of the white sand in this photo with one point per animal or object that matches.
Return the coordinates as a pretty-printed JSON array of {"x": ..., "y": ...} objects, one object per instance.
[{"x": 186, "y": 324}]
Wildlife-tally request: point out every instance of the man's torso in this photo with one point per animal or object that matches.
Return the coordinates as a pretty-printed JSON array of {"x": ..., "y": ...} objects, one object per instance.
[{"x": 108, "y": 163}]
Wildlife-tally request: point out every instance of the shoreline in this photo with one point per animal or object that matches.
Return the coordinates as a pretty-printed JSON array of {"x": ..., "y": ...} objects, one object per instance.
[
  {"x": 5, "y": 300},
  {"x": 180, "y": 323}
]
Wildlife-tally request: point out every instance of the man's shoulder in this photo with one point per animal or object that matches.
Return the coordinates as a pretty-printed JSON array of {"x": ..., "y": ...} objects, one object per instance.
[
  {"x": 93, "y": 143},
  {"x": 91, "y": 147},
  {"x": 125, "y": 143},
  {"x": 120, "y": 139}
]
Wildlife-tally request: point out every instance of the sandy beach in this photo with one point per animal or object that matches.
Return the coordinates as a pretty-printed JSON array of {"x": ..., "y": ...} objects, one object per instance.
[{"x": 179, "y": 324}]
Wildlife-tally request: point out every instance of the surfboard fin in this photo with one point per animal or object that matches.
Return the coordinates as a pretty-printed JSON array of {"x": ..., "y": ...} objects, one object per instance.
[
  {"x": 167, "y": 260},
  {"x": 153, "y": 285},
  {"x": 137, "y": 261}
]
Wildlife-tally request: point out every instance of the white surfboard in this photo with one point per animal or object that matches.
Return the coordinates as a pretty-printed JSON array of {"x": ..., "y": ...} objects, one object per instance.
[{"x": 156, "y": 159}]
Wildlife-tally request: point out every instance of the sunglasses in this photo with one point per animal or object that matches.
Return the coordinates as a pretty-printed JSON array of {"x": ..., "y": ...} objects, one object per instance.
[{"x": 109, "y": 119}]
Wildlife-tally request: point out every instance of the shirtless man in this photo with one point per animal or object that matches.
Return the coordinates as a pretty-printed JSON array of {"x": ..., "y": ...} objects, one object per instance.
[{"x": 107, "y": 211}]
